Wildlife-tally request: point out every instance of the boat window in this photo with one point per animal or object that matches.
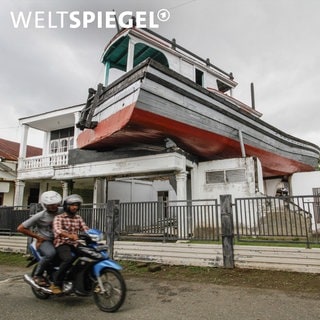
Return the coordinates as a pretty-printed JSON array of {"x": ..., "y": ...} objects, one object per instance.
[
  {"x": 222, "y": 86},
  {"x": 117, "y": 54},
  {"x": 143, "y": 52},
  {"x": 199, "y": 77}
]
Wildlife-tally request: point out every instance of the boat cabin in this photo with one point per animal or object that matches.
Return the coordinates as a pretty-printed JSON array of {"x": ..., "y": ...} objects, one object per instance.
[{"x": 134, "y": 46}]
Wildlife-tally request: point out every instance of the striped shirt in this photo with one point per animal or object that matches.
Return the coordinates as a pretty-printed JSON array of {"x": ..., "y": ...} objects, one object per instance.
[{"x": 70, "y": 224}]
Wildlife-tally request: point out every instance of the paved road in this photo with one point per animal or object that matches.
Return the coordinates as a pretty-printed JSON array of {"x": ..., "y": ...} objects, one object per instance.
[{"x": 159, "y": 300}]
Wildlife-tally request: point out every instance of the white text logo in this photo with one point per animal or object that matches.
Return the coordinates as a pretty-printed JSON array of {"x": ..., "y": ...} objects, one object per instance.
[{"x": 85, "y": 19}]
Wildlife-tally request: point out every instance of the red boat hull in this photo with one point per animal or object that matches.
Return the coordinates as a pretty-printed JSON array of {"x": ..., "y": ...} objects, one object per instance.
[{"x": 133, "y": 124}]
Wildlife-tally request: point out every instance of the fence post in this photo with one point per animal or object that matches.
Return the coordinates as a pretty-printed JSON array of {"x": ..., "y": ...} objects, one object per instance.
[
  {"x": 227, "y": 230},
  {"x": 112, "y": 224}
]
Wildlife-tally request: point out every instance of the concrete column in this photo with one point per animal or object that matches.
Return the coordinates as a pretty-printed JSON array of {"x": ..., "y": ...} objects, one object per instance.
[
  {"x": 181, "y": 178},
  {"x": 19, "y": 191},
  {"x": 76, "y": 130},
  {"x": 46, "y": 143},
  {"x": 23, "y": 145},
  {"x": 65, "y": 188},
  {"x": 42, "y": 187},
  {"x": 99, "y": 191}
]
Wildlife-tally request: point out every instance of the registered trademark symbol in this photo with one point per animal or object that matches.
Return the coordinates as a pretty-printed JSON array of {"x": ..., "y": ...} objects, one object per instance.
[{"x": 163, "y": 15}]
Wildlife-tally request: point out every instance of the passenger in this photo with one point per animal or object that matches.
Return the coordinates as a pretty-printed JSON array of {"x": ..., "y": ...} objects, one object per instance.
[
  {"x": 66, "y": 227},
  {"x": 39, "y": 226}
]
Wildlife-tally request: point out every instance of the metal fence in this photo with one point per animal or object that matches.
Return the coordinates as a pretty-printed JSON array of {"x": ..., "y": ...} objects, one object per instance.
[
  {"x": 11, "y": 217},
  {"x": 277, "y": 219},
  {"x": 170, "y": 220},
  {"x": 288, "y": 219},
  {"x": 95, "y": 216}
]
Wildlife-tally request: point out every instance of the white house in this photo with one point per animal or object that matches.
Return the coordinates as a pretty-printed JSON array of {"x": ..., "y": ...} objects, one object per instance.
[
  {"x": 143, "y": 173},
  {"x": 9, "y": 152}
]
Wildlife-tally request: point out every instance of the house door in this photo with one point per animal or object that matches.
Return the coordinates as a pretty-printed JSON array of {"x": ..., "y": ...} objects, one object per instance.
[
  {"x": 33, "y": 195},
  {"x": 163, "y": 197}
]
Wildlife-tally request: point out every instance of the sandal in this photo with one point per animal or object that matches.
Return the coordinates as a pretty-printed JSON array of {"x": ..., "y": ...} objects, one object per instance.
[{"x": 40, "y": 281}]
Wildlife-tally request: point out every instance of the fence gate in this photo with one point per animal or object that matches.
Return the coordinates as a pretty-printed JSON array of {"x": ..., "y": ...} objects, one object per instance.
[{"x": 170, "y": 220}]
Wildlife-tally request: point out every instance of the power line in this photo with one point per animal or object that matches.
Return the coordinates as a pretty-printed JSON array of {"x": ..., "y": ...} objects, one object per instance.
[
  {"x": 6, "y": 128},
  {"x": 182, "y": 4}
]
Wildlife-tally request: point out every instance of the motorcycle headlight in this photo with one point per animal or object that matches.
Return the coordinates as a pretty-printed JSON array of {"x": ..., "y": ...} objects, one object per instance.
[{"x": 95, "y": 235}]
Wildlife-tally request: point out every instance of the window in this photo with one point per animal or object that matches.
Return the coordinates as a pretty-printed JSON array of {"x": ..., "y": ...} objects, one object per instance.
[
  {"x": 199, "y": 77},
  {"x": 215, "y": 177},
  {"x": 64, "y": 145},
  {"x": 62, "y": 140},
  {"x": 237, "y": 175},
  {"x": 54, "y": 146},
  {"x": 225, "y": 176}
]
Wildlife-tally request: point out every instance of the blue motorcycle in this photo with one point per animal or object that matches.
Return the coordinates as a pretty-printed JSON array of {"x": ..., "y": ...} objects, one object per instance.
[{"x": 92, "y": 273}]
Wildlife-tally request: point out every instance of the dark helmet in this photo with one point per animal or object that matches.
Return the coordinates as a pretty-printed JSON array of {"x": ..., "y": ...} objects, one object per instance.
[{"x": 72, "y": 199}]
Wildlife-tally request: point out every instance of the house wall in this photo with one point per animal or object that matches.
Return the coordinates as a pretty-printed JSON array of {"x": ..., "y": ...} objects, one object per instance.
[
  {"x": 302, "y": 183},
  {"x": 250, "y": 186},
  {"x": 7, "y": 177},
  {"x": 138, "y": 190},
  {"x": 211, "y": 255},
  {"x": 271, "y": 185},
  {"x": 8, "y": 196}
]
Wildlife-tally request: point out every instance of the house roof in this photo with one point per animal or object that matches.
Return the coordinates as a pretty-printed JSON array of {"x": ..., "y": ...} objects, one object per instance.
[
  {"x": 53, "y": 120},
  {"x": 9, "y": 150}
]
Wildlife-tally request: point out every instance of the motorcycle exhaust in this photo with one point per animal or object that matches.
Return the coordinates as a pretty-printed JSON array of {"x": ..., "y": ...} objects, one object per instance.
[{"x": 30, "y": 281}]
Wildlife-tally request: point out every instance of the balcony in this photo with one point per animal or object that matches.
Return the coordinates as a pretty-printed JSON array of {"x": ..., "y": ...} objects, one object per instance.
[{"x": 44, "y": 161}]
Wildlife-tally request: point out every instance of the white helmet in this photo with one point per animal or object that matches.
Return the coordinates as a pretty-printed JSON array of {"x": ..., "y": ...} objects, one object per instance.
[
  {"x": 50, "y": 197},
  {"x": 72, "y": 199}
]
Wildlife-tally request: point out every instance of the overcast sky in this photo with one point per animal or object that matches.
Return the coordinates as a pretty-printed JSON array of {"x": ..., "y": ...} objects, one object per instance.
[{"x": 272, "y": 43}]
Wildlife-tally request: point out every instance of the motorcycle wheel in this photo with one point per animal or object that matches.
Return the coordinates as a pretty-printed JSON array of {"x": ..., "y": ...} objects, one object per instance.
[
  {"x": 39, "y": 294},
  {"x": 115, "y": 291}
]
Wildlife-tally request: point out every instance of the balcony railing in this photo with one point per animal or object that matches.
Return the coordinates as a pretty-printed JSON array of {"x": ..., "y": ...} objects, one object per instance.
[{"x": 45, "y": 161}]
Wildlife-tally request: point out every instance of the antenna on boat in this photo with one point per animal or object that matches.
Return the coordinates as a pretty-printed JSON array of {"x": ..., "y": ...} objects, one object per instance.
[
  {"x": 174, "y": 44},
  {"x": 253, "y": 105},
  {"x": 117, "y": 22}
]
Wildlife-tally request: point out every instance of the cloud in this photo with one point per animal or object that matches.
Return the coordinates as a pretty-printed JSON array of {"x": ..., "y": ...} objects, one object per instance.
[{"x": 270, "y": 43}]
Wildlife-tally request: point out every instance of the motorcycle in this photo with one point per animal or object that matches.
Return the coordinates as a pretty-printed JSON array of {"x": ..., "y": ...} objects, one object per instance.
[{"x": 92, "y": 273}]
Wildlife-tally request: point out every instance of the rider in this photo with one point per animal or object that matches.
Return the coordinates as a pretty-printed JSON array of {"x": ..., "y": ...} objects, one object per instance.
[
  {"x": 66, "y": 227},
  {"x": 39, "y": 226}
]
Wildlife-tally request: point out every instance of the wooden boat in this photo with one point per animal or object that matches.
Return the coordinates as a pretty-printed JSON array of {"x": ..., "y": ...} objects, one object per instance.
[{"x": 166, "y": 92}]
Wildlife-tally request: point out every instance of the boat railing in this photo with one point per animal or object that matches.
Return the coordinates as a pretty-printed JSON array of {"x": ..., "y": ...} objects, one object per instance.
[{"x": 207, "y": 62}]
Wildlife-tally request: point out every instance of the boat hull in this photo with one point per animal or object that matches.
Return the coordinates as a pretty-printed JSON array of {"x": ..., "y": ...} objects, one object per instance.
[{"x": 153, "y": 103}]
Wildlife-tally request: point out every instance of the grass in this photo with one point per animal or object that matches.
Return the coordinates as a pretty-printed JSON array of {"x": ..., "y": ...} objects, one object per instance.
[
  {"x": 251, "y": 278},
  {"x": 302, "y": 283},
  {"x": 13, "y": 259},
  {"x": 263, "y": 243}
]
